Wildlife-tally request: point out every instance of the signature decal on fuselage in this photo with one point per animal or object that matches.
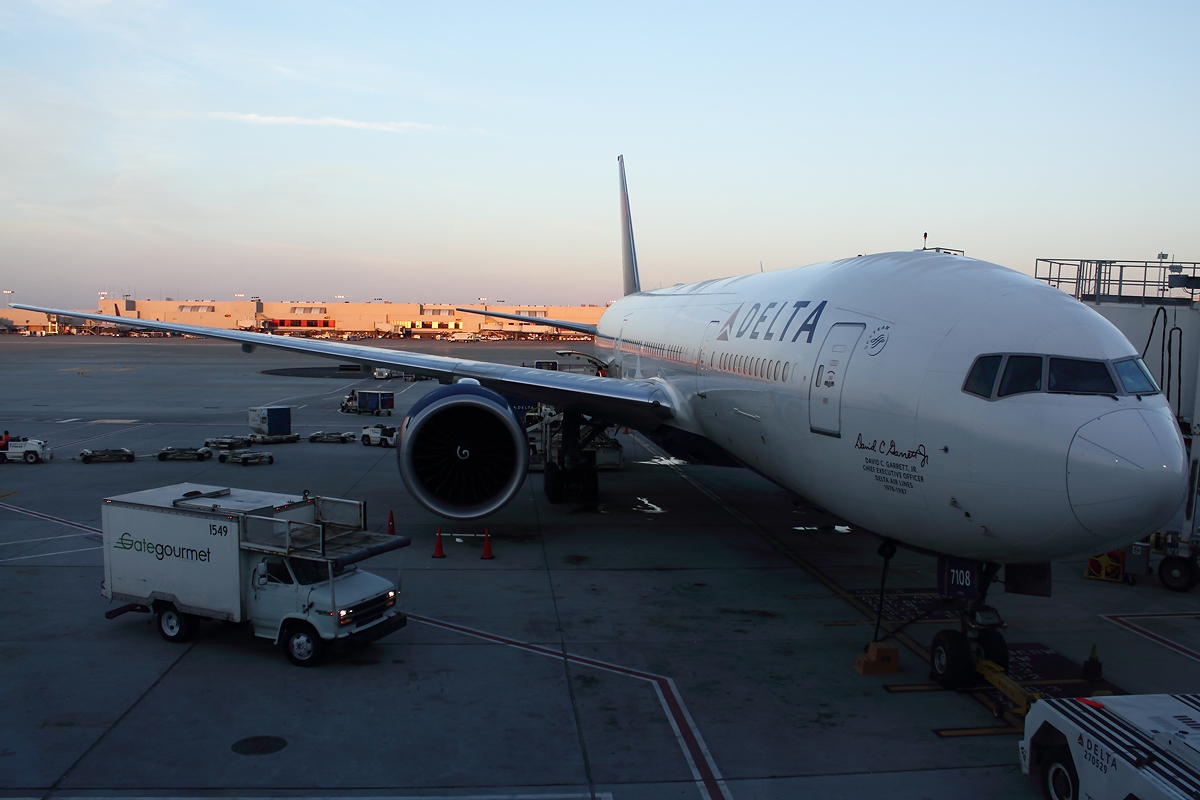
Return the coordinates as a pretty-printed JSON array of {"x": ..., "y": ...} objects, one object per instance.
[
  {"x": 895, "y": 476},
  {"x": 752, "y": 322},
  {"x": 887, "y": 447}
]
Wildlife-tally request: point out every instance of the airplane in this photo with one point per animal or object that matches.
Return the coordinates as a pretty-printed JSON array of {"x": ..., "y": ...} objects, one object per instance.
[{"x": 946, "y": 404}]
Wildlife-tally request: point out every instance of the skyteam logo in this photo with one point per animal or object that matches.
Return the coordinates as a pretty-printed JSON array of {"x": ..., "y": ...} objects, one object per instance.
[{"x": 877, "y": 340}]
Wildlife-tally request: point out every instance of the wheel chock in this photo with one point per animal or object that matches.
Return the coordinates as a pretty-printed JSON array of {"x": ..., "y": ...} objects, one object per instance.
[{"x": 881, "y": 658}]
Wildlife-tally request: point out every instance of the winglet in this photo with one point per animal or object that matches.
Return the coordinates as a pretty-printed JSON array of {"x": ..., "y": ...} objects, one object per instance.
[{"x": 633, "y": 284}]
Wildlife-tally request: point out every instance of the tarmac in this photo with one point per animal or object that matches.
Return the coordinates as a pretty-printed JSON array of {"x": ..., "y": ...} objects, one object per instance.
[{"x": 693, "y": 634}]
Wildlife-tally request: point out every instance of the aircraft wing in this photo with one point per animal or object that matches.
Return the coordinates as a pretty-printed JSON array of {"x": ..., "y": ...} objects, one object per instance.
[
  {"x": 643, "y": 404},
  {"x": 581, "y": 327}
]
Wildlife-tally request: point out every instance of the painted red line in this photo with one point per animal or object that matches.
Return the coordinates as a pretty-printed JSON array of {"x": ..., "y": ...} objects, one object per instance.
[
  {"x": 1123, "y": 621},
  {"x": 695, "y": 751},
  {"x": 49, "y": 518}
]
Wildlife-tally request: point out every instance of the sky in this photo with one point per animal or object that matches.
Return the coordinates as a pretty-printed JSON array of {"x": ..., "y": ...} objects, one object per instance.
[{"x": 443, "y": 152}]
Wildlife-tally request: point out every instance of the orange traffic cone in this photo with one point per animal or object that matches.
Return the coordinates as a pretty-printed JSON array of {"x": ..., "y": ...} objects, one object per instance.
[
  {"x": 487, "y": 545},
  {"x": 391, "y": 524},
  {"x": 438, "y": 552}
]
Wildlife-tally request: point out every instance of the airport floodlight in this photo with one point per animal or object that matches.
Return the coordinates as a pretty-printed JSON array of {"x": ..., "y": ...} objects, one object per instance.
[
  {"x": 339, "y": 297},
  {"x": 239, "y": 295},
  {"x": 9, "y": 291}
]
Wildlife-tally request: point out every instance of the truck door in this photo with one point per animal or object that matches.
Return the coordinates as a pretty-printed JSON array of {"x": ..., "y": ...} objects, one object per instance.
[
  {"x": 269, "y": 604},
  {"x": 825, "y": 390}
]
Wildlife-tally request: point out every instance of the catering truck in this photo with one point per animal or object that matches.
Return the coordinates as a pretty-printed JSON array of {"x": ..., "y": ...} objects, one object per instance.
[
  {"x": 1113, "y": 748},
  {"x": 285, "y": 564}
]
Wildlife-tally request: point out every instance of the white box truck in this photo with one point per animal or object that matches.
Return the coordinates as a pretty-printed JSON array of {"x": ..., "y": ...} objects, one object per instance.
[
  {"x": 1114, "y": 748},
  {"x": 283, "y": 563}
]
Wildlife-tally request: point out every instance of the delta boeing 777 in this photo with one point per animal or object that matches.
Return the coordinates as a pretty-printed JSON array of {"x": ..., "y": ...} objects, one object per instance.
[{"x": 946, "y": 404}]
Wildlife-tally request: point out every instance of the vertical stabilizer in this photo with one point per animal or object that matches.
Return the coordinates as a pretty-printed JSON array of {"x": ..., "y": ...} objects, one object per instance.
[{"x": 633, "y": 284}]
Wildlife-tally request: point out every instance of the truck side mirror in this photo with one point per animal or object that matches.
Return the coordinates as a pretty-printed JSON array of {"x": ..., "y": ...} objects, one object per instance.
[{"x": 260, "y": 573}]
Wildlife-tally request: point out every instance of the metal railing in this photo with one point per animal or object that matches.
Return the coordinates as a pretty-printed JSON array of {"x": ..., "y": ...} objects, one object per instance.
[{"x": 1099, "y": 280}]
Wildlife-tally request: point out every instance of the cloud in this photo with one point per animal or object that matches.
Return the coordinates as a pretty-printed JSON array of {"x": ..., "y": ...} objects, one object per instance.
[{"x": 326, "y": 122}]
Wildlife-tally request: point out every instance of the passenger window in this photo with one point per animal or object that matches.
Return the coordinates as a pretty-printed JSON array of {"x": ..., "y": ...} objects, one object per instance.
[
  {"x": 1021, "y": 374},
  {"x": 785, "y": 370},
  {"x": 1080, "y": 377},
  {"x": 1135, "y": 377},
  {"x": 983, "y": 376}
]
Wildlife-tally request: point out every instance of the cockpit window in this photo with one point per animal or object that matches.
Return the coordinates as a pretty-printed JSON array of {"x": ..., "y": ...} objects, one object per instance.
[
  {"x": 1135, "y": 377},
  {"x": 1021, "y": 374},
  {"x": 983, "y": 376},
  {"x": 1080, "y": 377}
]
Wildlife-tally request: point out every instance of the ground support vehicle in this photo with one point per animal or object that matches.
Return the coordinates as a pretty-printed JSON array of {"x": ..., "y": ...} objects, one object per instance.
[
  {"x": 228, "y": 442},
  {"x": 379, "y": 434},
  {"x": 270, "y": 420},
  {"x": 114, "y": 454},
  {"x": 283, "y": 563},
  {"x": 1114, "y": 748},
  {"x": 369, "y": 402},
  {"x": 1179, "y": 569},
  {"x": 274, "y": 438},
  {"x": 31, "y": 451},
  {"x": 247, "y": 457},
  {"x": 332, "y": 436},
  {"x": 184, "y": 453},
  {"x": 381, "y": 374}
]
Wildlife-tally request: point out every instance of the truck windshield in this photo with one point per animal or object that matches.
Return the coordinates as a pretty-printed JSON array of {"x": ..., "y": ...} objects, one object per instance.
[{"x": 310, "y": 572}]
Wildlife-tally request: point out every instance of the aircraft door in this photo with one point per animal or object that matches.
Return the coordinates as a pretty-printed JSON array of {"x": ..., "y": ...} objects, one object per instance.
[
  {"x": 825, "y": 390},
  {"x": 704, "y": 355}
]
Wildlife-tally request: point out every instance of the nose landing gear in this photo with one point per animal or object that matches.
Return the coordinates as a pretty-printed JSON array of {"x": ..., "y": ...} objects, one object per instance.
[{"x": 953, "y": 656}]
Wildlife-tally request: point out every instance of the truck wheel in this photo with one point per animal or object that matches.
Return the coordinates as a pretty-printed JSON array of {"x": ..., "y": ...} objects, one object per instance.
[
  {"x": 174, "y": 625},
  {"x": 270, "y": 459},
  {"x": 221, "y": 458},
  {"x": 162, "y": 456},
  {"x": 3, "y": 458},
  {"x": 302, "y": 646},
  {"x": 949, "y": 658},
  {"x": 129, "y": 458},
  {"x": 389, "y": 412},
  {"x": 31, "y": 457},
  {"x": 366, "y": 440},
  {"x": 1178, "y": 574},
  {"x": 245, "y": 462},
  {"x": 312, "y": 439},
  {"x": 86, "y": 459},
  {"x": 1060, "y": 781},
  {"x": 199, "y": 456}
]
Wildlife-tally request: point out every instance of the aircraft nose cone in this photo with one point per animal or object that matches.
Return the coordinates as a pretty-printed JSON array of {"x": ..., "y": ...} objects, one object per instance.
[{"x": 1126, "y": 473}]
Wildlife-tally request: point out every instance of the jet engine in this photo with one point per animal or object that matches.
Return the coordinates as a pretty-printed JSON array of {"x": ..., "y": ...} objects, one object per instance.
[{"x": 462, "y": 453}]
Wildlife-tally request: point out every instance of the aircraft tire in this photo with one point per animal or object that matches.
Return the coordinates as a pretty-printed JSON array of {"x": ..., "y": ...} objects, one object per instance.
[
  {"x": 1178, "y": 574},
  {"x": 949, "y": 658},
  {"x": 994, "y": 648},
  {"x": 589, "y": 486},
  {"x": 553, "y": 483}
]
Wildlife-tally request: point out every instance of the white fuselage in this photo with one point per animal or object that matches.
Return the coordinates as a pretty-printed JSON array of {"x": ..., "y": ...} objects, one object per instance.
[{"x": 885, "y": 435}]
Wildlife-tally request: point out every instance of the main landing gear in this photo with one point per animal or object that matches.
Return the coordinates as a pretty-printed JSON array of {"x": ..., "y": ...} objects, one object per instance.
[
  {"x": 570, "y": 467},
  {"x": 954, "y": 652}
]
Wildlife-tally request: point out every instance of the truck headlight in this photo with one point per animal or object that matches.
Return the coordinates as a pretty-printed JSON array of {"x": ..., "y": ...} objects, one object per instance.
[
  {"x": 342, "y": 613},
  {"x": 391, "y": 594}
]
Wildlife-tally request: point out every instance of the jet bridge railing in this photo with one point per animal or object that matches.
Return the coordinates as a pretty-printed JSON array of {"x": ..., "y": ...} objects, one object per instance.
[{"x": 1160, "y": 281}]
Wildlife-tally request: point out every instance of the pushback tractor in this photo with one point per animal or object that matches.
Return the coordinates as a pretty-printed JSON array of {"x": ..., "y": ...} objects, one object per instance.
[{"x": 285, "y": 564}]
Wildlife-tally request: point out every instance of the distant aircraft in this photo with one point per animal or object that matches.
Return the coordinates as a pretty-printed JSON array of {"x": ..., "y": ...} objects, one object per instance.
[{"x": 946, "y": 404}]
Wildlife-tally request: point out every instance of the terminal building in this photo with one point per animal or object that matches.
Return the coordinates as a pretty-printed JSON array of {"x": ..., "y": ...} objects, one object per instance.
[{"x": 337, "y": 319}]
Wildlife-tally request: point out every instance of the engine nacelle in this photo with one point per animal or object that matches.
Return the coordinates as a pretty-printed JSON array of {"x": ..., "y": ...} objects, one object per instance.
[{"x": 462, "y": 453}]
